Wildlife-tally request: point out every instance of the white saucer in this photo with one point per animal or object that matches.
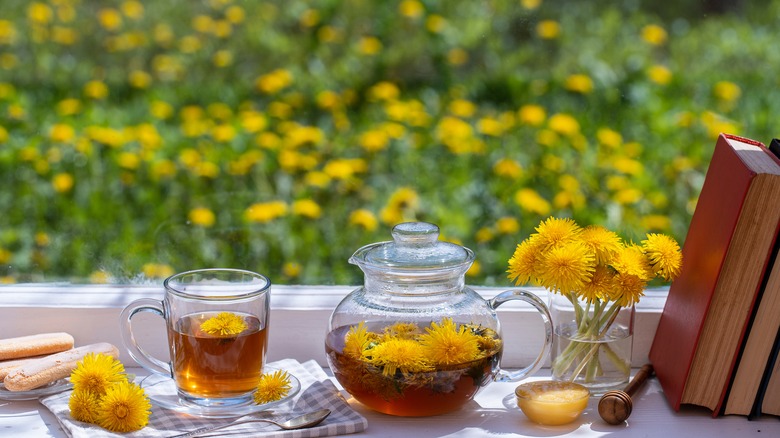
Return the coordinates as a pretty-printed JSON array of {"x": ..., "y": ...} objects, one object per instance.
[
  {"x": 49, "y": 389},
  {"x": 162, "y": 392}
]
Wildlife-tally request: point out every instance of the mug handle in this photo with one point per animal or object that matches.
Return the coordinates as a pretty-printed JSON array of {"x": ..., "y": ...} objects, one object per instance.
[
  {"x": 136, "y": 352},
  {"x": 528, "y": 297}
]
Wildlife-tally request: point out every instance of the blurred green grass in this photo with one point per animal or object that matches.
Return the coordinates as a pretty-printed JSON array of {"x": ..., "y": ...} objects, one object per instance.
[{"x": 140, "y": 139}]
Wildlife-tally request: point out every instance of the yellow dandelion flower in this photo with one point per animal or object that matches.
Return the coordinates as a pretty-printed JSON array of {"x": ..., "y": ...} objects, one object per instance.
[
  {"x": 404, "y": 355},
  {"x": 484, "y": 235},
  {"x": 358, "y": 339},
  {"x": 202, "y": 217},
  {"x": 628, "y": 289},
  {"x": 448, "y": 344},
  {"x": 307, "y": 208},
  {"x": 263, "y": 212},
  {"x": 557, "y": 231},
  {"x": 579, "y": 83},
  {"x": 364, "y": 218},
  {"x": 435, "y": 23},
  {"x": 604, "y": 243},
  {"x": 224, "y": 324},
  {"x": 631, "y": 260},
  {"x": 411, "y": 8},
  {"x": 402, "y": 330},
  {"x": 457, "y": 56},
  {"x": 384, "y": 91},
  {"x": 157, "y": 270},
  {"x": 659, "y": 74},
  {"x": 564, "y": 124},
  {"x": 124, "y": 408},
  {"x": 530, "y": 200},
  {"x": 83, "y": 406},
  {"x": 62, "y": 182},
  {"x": 96, "y": 372},
  {"x": 548, "y": 29},
  {"x": 292, "y": 269},
  {"x": 727, "y": 91},
  {"x": 96, "y": 90},
  {"x": 567, "y": 268},
  {"x": 369, "y": 45},
  {"x": 533, "y": 115},
  {"x": 462, "y": 108},
  {"x": 654, "y": 34},
  {"x": 664, "y": 254},
  {"x": 507, "y": 225},
  {"x": 272, "y": 387},
  {"x": 600, "y": 286}
]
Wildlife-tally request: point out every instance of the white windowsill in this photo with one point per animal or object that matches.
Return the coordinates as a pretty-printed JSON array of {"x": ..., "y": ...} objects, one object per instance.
[{"x": 299, "y": 318}]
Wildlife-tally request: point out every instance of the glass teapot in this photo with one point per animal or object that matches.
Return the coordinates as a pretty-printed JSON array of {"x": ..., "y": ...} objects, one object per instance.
[{"x": 414, "y": 340}]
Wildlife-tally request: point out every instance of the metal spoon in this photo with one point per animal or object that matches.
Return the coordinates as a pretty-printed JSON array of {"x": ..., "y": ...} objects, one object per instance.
[{"x": 300, "y": 422}]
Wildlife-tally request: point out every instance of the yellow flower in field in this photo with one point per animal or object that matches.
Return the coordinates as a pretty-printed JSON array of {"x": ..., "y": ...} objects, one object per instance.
[
  {"x": 129, "y": 160},
  {"x": 96, "y": 373},
  {"x": 163, "y": 169},
  {"x": 484, "y": 235},
  {"x": 655, "y": 222},
  {"x": 475, "y": 269},
  {"x": 307, "y": 208},
  {"x": 272, "y": 387},
  {"x": 490, "y": 126},
  {"x": 224, "y": 324},
  {"x": 203, "y": 23},
  {"x": 659, "y": 74},
  {"x": 342, "y": 168},
  {"x": 449, "y": 344},
  {"x": 462, "y": 108},
  {"x": 628, "y": 195},
  {"x": 364, "y": 218},
  {"x": 64, "y": 35},
  {"x": 457, "y": 56},
  {"x": 7, "y": 32},
  {"x": 530, "y": 200},
  {"x": 564, "y": 124},
  {"x": 222, "y": 29},
  {"x": 68, "y": 107},
  {"x": 110, "y": 19},
  {"x": 384, "y": 91},
  {"x": 654, "y": 34},
  {"x": 161, "y": 110},
  {"x": 727, "y": 91},
  {"x": 548, "y": 29},
  {"x": 99, "y": 277},
  {"x": 96, "y": 90},
  {"x": 579, "y": 83},
  {"x": 5, "y": 256},
  {"x": 533, "y": 115},
  {"x": 292, "y": 269},
  {"x": 507, "y": 225},
  {"x": 628, "y": 166},
  {"x": 62, "y": 133},
  {"x": 404, "y": 355},
  {"x": 3, "y": 135},
  {"x": 310, "y": 18},
  {"x": 223, "y": 133},
  {"x": 608, "y": 137},
  {"x": 369, "y": 45},
  {"x": 530, "y": 4},
  {"x": 202, "y": 217},
  {"x": 329, "y": 34},
  {"x": 62, "y": 182},
  {"x": 139, "y": 79},
  {"x": 124, "y": 408},
  {"x": 222, "y": 58},
  {"x": 83, "y": 406},
  {"x": 235, "y": 14},
  {"x": 274, "y": 81},
  {"x": 133, "y": 9},
  {"x": 373, "y": 140},
  {"x": 508, "y": 168},
  {"x": 435, "y": 23},
  {"x": 39, "y": 13},
  {"x": 263, "y": 212},
  {"x": 411, "y": 8},
  {"x": 664, "y": 254},
  {"x": 157, "y": 270}
]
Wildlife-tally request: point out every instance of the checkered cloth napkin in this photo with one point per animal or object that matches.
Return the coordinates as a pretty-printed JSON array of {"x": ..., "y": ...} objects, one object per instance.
[{"x": 317, "y": 392}]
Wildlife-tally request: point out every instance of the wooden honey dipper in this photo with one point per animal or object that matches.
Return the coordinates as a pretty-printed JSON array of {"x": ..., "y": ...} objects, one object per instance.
[{"x": 615, "y": 406}]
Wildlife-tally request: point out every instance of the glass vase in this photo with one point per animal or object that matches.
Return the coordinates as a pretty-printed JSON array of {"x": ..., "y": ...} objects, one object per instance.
[{"x": 592, "y": 342}]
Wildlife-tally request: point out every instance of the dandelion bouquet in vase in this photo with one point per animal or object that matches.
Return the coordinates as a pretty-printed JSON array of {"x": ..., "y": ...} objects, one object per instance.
[{"x": 595, "y": 279}]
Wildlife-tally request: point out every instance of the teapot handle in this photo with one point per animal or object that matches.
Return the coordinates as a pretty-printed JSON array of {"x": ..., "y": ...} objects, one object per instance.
[{"x": 528, "y": 297}]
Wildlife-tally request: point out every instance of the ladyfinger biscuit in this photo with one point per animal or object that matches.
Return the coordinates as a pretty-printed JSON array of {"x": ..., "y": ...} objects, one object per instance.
[
  {"x": 54, "y": 367},
  {"x": 7, "y": 366},
  {"x": 34, "y": 345}
]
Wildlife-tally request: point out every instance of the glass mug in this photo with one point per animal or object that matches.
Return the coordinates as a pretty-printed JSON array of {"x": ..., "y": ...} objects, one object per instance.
[{"x": 217, "y": 324}]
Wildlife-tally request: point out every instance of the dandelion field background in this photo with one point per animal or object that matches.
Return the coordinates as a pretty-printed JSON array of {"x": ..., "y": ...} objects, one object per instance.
[{"x": 138, "y": 139}]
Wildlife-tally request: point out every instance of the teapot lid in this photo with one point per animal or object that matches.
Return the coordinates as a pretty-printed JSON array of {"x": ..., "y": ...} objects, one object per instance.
[{"x": 415, "y": 245}]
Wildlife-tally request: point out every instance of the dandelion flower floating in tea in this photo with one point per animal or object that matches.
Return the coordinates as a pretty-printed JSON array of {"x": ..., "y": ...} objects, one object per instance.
[
  {"x": 224, "y": 324},
  {"x": 447, "y": 344},
  {"x": 96, "y": 372},
  {"x": 394, "y": 354},
  {"x": 83, "y": 405},
  {"x": 124, "y": 408},
  {"x": 272, "y": 387}
]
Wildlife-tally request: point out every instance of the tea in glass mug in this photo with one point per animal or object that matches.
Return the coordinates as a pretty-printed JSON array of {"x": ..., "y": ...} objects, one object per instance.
[{"x": 217, "y": 324}]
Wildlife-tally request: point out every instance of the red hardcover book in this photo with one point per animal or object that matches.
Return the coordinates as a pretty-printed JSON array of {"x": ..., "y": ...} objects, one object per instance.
[{"x": 725, "y": 255}]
